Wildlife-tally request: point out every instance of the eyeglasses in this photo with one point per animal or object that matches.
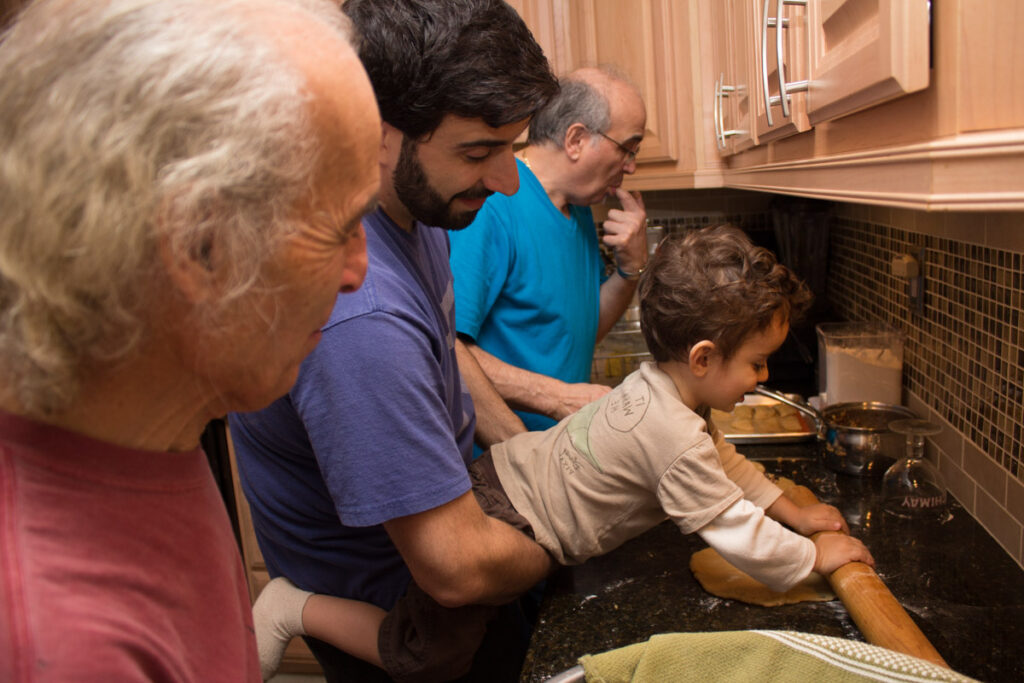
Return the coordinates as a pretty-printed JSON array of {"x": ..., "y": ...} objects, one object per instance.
[{"x": 630, "y": 153}]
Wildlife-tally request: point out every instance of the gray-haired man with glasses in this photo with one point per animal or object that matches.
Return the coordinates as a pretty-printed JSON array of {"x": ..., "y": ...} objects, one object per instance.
[{"x": 531, "y": 295}]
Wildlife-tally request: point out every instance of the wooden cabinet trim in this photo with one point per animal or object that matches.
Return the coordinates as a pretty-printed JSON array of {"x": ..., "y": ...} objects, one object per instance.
[{"x": 970, "y": 172}]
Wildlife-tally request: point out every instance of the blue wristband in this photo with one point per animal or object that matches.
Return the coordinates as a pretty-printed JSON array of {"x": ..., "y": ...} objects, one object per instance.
[{"x": 629, "y": 277}]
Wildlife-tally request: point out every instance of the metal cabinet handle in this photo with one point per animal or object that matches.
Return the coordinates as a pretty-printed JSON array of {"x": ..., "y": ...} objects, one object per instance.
[
  {"x": 778, "y": 23},
  {"x": 717, "y": 115},
  {"x": 722, "y": 91},
  {"x": 784, "y": 87},
  {"x": 783, "y": 96},
  {"x": 764, "y": 62},
  {"x": 791, "y": 87}
]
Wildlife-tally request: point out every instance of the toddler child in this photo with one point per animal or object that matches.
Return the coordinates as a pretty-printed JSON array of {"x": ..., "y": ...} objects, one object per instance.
[{"x": 714, "y": 307}]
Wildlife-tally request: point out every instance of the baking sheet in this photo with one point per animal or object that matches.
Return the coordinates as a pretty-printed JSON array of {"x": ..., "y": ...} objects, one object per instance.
[{"x": 791, "y": 426}]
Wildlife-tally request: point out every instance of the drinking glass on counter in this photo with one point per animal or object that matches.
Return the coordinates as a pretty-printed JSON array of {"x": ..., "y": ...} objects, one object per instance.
[{"x": 913, "y": 487}]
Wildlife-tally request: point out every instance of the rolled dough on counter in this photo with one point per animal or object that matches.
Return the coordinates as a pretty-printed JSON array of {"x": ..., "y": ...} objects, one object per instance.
[{"x": 720, "y": 578}]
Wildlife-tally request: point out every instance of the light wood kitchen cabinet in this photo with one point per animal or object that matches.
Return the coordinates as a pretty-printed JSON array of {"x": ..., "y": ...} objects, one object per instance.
[
  {"x": 297, "y": 657},
  {"x": 727, "y": 34},
  {"x": 957, "y": 144},
  {"x": 990, "y": 66},
  {"x": 777, "y": 36},
  {"x": 637, "y": 37},
  {"x": 865, "y": 53},
  {"x": 549, "y": 25},
  {"x": 652, "y": 41},
  {"x": 810, "y": 61},
  {"x": 904, "y": 108}
]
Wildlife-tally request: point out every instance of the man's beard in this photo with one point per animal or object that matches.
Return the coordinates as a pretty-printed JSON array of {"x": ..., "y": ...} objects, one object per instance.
[{"x": 424, "y": 202}]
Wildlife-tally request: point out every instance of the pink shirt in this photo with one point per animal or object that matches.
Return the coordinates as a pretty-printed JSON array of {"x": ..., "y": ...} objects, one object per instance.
[{"x": 116, "y": 564}]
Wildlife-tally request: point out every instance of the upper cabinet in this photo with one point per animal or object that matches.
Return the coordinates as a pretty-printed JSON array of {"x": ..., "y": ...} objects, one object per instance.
[
  {"x": 908, "y": 108},
  {"x": 988, "y": 66},
  {"x": 809, "y": 61},
  {"x": 549, "y": 24},
  {"x": 896, "y": 102},
  {"x": 729, "y": 50},
  {"x": 777, "y": 38},
  {"x": 637, "y": 37},
  {"x": 864, "y": 53},
  {"x": 649, "y": 40}
]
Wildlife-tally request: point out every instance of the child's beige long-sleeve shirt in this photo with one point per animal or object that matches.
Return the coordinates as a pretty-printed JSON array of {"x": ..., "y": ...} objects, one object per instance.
[{"x": 626, "y": 462}]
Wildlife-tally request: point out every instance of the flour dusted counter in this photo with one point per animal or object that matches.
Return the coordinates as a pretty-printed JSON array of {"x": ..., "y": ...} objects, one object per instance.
[{"x": 958, "y": 585}]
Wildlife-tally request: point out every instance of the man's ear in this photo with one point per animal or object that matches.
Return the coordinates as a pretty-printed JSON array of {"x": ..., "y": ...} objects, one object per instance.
[
  {"x": 701, "y": 357},
  {"x": 191, "y": 267},
  {"x": 390, "y": 144},
  {"x": 575, "y": 138}
]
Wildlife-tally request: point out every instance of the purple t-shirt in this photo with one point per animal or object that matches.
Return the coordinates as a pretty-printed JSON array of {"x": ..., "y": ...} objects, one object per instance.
[{"x": 378, "y": 426}]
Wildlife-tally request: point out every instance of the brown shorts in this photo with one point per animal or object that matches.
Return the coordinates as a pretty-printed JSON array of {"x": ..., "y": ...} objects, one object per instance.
[
  {"x": 419, "y": 640},
  {"x": 491, "y": 495}
]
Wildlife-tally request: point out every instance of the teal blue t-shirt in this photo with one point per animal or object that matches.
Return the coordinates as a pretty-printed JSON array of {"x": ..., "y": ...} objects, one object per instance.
[{"x": 527, "y": 284}]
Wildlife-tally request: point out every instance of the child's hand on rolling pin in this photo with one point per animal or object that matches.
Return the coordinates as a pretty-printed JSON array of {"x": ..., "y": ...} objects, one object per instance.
[
  {"x": 818, "y": 517},
  {"x": 835, "y": 550}
]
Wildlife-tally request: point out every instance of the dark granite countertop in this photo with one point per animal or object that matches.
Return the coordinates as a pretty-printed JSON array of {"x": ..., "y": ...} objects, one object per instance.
[{"x": 953, "y": 579}]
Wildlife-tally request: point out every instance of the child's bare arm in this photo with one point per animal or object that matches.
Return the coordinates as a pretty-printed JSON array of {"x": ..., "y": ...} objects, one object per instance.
[
  {"x": 284, "y": 611},
  {"x": 349, "y": 625}
]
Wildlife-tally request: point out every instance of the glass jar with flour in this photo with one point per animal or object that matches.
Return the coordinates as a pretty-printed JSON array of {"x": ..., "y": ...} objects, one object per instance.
[{"x": 860, "y": 361}]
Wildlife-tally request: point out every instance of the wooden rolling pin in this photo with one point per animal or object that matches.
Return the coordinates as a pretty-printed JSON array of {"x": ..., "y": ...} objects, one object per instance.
[{"x": 874, "y": 609}]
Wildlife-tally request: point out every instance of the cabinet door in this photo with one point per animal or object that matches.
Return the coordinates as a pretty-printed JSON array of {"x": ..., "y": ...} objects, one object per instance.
[
  {"x": 547, "y": 21},
  {"x": 991, "y": 60},
  {"x": 779, "y": 42},
  {"x": 635, "y": 36},
  {"x": 864, "y": 53},
  {"x": 727, "y": 31}
]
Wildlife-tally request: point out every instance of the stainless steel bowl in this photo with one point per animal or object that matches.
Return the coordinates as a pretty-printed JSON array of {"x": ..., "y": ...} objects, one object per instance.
[
  {"x": 854, "y": 438},
  {"x": 857, "y": 439}
]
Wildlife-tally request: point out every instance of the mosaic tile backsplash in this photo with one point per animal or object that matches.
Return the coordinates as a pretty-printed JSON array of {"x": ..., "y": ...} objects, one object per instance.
[{"x": 964, "y": 351}]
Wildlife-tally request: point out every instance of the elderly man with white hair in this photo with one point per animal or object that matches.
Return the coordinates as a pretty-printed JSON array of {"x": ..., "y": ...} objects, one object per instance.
[{"x": 182, "y": 185}]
